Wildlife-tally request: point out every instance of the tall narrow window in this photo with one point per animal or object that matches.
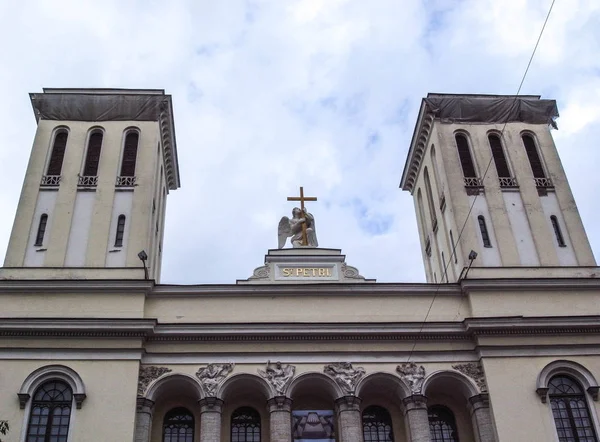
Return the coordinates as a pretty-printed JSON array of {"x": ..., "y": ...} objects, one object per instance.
[
  {"x": 377, "y": 425},
  {"x": 41, "y": 231},
  {"x": 485, "y": 237},
  {"x": 464, "y": 153},
  {"x": 443, "y": 269},
  {"x": 129, "y": 154},
  {"x": 534, "y": 156},
  {"x": 178, "y": 426},
  {"x": 454, "y": 251},
  {"x": 58, "y": 153},
  {"x": 499, "y": 157},
  {"x": 430, "y": 200},
  {"x": 245, "y": 425},
  {"x": 50, "y": 413},
  {"x": 92, "y": 158},
  {"x": 120, "y": 231},
  {"x": 569, "y": 408},
  {"x": 442, "y": 425},
  {"x": 559, "y": 236}
]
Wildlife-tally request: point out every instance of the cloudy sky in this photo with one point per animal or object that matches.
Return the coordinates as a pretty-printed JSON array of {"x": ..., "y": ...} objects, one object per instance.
[{"x": 273, "y": 94}]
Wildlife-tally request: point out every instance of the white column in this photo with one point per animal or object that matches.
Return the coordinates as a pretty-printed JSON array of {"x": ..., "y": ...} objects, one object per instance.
[
  {"x": 210, "y": 419},
  {"x": 143, "y": 420},
  {"x": 349, "y": 419},
  {"x": 416, "y": 417},
  {"x": 481, "y": 417},
  {"x": 280, "y": 418}
]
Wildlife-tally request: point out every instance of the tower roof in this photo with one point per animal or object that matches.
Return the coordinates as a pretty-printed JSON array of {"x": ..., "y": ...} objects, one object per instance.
[{"x": 114, "y": 105}]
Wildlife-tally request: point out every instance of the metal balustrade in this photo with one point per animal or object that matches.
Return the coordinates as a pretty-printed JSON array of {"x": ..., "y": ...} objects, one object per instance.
[
  {"x": 87, "y": 181},
  {"x": 125, "y": 181},
  {"x": 50, "y": 180}
]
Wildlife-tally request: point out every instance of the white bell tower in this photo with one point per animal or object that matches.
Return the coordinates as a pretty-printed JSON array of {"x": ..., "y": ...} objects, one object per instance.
[
  {"x": 94, "y": 196},
  {"x": 522, "y": 214}
]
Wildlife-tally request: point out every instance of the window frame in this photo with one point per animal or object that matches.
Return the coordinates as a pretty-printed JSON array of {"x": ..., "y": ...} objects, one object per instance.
[
  {"x": 486, "y": 239},
  {"x": 57, "y": 131},
  {"x": 126, "y": 133},
  {"x": 452, "y": 423},
  {"x": 504, "y": 153},
  {"x": 257, "y": 422},
  {"x": 52, "y": 405},
  {"x": 41, "y": 230},
  {"x": 538, "y": 152},
  {"x": 467, "y": 138},
  {"x": 92, "y": 131},
  {"x": 168, "y": 419},
  {"x": 120, "y": 230},
  {"x": 387, "y": 421},
  {"x": 560, "y": 239}
]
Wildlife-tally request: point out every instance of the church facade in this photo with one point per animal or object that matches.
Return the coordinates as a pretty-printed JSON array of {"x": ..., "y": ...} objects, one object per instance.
[{"x": 501, "y": 343}]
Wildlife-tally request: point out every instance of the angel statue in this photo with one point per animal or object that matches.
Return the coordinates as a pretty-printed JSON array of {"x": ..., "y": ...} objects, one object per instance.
[{"x": 301, "y": 227}]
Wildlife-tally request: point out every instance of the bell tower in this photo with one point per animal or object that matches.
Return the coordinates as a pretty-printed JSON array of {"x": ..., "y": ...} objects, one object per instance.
[
  {"x": 94, "y": 196},
  {"x": 520, "y": 213}
]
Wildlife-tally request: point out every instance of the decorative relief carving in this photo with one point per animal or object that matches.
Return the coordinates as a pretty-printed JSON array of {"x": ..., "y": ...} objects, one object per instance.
[
  {"x": 351, "y": 272},
  {"x": 413, "y": 375},
  {"x": 147, "y": 375},
  {"x": 475, "y": 371},
  {"x": 278, "y": 375},
  {"x": 263, "y": 272},
  {"x": 211, "y": 376},
  {"x": 345, "y": 375}
]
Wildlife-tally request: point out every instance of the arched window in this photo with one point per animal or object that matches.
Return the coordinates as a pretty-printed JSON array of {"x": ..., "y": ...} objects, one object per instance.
[
  {"x": 92, "y": 158},
  {"x": 442, "y": 425},
  {"x": 534, "y": 157},
  {"x": 58, "y": 153},
  {"x": 499, "y": 157},
  {"x": 178, "y": 426},
  {"x": 50, "y": 413},
  {"x": 485, "y": 236},
  {"x": 129, "y": 154},
  {"x": 245, "y": 425},
  {"x": 569, "y": 408},
  {"x": 41, "y": 231},
  {"x": 559, "y": 236},
  {"x": 430, "y": 199},
  {"x": 120, "y": 231},
  {"x": 377, "y": 425},
  {"x": 464, "y": 153}
]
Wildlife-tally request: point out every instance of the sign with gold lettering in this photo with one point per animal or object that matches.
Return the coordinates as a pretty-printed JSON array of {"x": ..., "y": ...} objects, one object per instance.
[{"x": 295, "y": 272}]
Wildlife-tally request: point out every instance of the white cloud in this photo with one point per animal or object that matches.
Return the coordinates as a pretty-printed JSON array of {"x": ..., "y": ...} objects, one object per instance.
[{"x": 271, "y": 95}]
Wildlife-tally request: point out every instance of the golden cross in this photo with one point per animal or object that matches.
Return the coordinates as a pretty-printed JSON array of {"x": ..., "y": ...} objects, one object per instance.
[{"x": 302, "y": 198}]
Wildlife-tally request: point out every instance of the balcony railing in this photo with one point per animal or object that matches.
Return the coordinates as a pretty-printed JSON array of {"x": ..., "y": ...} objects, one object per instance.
[
  {"x": 125, "y": 181},
  {"x": 473, "y": 182},
  {"x": 508, "y": 182},
  {"x": 50, "y": 180},
  {"x": 543, "y": 182},
  {"x": 87, "y": 181}
]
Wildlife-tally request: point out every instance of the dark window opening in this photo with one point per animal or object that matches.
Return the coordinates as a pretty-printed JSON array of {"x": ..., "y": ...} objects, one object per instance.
[
  {"x": 120, "y": 231},
  {"x": 58, "y": 154},
  {"x": 464, "y": 153},
  {"x": 484, "y": 232},
  {"x": 534, "y": 157},
  {"x": 178, "y": 426},
  {"x": 92, "y": 158},
  {"x": 442, "y": 425},
  {"x": 453, "y": 248},
  {"x": 377, "y": 425},
  {"x": 499, "y": 157},
  {"x": 559, "y": 236},
  {"x": 50, "y": 413},
  {"x": 245, "y": 425},
  {"x": 569, "y": 408},
  {"x": 39, "y": 238},
  {"x": 129, "y": 154}
]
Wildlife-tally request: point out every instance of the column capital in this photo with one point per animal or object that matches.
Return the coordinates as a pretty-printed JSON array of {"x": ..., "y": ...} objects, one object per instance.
[
  {"x": 414, "y": 402},
  {"x": 348, "y": 403},
  {"x": 144, "y": 405},
  {"x": 211, "y": 405},
  {"x": 279, "y": 403},
  {"x": 479, "y": 401}
]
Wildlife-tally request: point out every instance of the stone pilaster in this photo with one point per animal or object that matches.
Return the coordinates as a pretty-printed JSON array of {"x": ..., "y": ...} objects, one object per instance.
[
  {"x": 349, "y": 419},
  {"x": 481, "y": 417},
  {"x": 210, "y": 419},
  {"x": 280, "y": 418},
  {"x": 416, "y": 417},
  {"x": 143, "y": 419}
]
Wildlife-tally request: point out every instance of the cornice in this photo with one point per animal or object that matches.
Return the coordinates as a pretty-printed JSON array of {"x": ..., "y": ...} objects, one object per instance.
[
  {"x": 524, "y": 284},
  {"x": 417, "y": 148},
  {"x": 67, "y": 327},
  {"x": 34, "y": 286}
]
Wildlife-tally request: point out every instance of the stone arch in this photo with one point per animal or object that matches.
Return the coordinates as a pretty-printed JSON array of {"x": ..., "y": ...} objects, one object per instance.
[
  {"x": 570, "y": 368},
  {"x": 317, "y": 380},
  {"x": 175, "y": 382},
  {"x": 48, "y": 373},
  {"x": 388, "y": 383},
  {"x": 247, "y": 381},
  {"x": 462, "y": 384}
]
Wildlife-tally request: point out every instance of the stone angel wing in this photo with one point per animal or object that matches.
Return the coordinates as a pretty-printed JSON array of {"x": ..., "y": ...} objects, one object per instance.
[{"x": 284, "y": 230}]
